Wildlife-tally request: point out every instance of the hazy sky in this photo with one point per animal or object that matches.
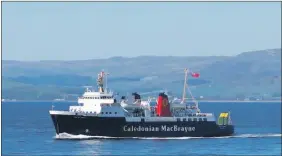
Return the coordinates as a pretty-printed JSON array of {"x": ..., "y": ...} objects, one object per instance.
[{"x": 87, "y": 30}]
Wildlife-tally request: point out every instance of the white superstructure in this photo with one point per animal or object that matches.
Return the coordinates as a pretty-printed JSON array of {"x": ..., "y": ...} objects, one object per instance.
[{"x": 102, "y": 103}]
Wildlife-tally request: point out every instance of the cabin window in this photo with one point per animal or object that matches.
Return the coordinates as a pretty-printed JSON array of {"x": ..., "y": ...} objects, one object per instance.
[
  {"x": 115, "y": 112},
  {"x": 178, "y": 119},
  {"x": 184, "y": 119},
  {"x": 110, "y": 112},
  {"x": 102, "y": 112},
  {"x": 200, "y": 119},
  {"x": 189, "y": 119},
  {"x": 195, "y": 119},
  {"x": 205, "y": 119},
  {"x": 106, "y": 112},
  {"x": 189, "y": 114},
  {"x": 142, "y": 120}
]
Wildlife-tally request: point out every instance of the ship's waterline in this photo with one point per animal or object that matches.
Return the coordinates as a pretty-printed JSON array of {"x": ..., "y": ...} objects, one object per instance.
[{"x": 163, "y": 128}]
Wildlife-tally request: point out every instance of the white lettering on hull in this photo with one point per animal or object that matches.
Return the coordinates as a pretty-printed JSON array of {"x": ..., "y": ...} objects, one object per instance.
[{"x": 163, "y": 128}]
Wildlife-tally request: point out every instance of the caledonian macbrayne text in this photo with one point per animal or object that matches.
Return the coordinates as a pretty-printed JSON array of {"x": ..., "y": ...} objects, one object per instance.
[{"x": 165, "y": 128}]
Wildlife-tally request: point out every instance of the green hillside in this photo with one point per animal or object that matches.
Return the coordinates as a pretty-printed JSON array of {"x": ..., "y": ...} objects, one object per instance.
[{"x": 248, "y": 74}]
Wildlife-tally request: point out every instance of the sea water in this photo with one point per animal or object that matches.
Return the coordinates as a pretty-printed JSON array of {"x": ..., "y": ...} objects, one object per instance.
[{"x": 27, "y": 129}]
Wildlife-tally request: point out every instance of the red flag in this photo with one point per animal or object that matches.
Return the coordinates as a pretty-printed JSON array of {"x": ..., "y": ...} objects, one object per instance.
[{"x": 195, "y": 74}]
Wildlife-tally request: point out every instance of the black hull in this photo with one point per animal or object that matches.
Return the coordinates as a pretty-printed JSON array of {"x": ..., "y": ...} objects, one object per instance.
[{"x": 118, "y": 127}]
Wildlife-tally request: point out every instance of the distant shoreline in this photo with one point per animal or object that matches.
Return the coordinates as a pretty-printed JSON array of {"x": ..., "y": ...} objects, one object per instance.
[{"x": 69, "y": 101}]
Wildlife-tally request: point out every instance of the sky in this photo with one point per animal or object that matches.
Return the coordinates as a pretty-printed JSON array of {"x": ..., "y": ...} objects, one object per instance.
[{"x": 92, "y": 30}]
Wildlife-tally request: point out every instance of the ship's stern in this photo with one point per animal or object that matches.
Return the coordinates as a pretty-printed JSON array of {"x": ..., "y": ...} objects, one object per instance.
[{"x": 225, "y": 125}]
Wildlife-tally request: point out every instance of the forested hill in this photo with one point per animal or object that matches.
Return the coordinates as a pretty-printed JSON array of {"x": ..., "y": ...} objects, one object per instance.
[{"x": 256, "y": 73}]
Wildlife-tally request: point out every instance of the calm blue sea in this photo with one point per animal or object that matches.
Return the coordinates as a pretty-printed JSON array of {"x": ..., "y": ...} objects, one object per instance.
[{"x": 27, "y": 130}]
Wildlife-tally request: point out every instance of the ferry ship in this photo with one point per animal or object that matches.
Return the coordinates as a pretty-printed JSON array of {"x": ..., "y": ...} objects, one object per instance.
[{"x": 100, "y": 113}]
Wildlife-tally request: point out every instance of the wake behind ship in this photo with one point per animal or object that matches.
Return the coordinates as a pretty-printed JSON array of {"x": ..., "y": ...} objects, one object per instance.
[{"x": 99, "y": 114}]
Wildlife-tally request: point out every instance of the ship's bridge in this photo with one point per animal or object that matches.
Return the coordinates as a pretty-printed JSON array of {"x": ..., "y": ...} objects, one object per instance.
[{"x": 94, "y": 97}]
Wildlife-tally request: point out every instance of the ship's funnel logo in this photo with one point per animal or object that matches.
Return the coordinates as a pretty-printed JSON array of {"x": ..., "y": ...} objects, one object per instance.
[{"x": 165, "y": 102}]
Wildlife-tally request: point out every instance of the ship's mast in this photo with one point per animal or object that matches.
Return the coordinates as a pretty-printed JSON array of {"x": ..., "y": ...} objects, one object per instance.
[
  {"x": 186, "y": 71},
  {"x": 106, "y": 83},
  {"x": 100, "y": 82},
  {"x": 185, "y": 84}
]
